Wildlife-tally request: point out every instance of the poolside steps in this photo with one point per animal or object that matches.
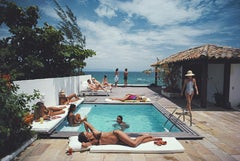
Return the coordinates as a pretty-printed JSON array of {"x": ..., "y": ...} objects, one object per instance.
[{"x": 166, "y": 103}]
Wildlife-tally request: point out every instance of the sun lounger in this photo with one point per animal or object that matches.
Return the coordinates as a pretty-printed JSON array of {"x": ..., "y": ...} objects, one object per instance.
[
  {"x": 89, "y": 92},
  {"x": 131, "y": 101},
  {"x": 172, "y": 146},
  {"x": 86, "y": 91},
  {"x": 49, "y": 125}
]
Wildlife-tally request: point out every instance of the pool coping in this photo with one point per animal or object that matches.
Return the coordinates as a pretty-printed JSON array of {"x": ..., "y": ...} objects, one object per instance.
[{"x": 186, "y": 131}]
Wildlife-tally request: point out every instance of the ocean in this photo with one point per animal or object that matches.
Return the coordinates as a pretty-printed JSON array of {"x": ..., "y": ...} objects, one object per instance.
[{"x": 134, "y": 78}]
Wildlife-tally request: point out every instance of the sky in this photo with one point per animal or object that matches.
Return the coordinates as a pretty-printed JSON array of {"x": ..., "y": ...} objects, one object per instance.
[{"x": 133, "y": 34}]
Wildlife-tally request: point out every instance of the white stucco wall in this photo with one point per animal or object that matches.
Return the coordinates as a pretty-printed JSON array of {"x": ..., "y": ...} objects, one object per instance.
[
  {"x": 234, "y": 91},
  {"x": 50, "y": 87}
]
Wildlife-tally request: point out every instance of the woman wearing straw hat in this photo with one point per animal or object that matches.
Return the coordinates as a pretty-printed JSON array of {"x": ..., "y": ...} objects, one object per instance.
[{"x": 188, "y": 86}]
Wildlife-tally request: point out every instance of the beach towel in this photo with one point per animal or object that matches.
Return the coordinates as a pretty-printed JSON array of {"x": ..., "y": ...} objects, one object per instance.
[{"x": 172, "y": 146}]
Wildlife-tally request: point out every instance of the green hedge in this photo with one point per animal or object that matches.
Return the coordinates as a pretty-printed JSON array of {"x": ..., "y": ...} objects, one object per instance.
[{"x": 13, "y": 107}]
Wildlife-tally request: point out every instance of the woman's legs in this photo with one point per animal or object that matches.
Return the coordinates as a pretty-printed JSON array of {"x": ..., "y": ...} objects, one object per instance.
[
  {"x": 123, "y": 137},
  {"x": 189, "y": 102},
  {"x": 121, "y": 99},
  {"x": 55, "y": 111},
  {"x": 73, "y": 96}
]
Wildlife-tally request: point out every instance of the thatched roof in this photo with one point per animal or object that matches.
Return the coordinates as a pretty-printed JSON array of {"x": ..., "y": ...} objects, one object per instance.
[{"x": 209, "y": 51}]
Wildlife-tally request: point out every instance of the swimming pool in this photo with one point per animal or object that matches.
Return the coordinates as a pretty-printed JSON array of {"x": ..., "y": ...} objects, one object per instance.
[{"x": 140, "y": 117}]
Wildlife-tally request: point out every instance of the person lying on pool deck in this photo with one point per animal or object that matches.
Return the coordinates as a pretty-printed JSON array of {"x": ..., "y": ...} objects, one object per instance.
[
  {"x": 130, "y": 97},
  {"x": 46, "y": 112},
  {"x": 94, "y": 137},
  {"x": 65, "y": 100}
]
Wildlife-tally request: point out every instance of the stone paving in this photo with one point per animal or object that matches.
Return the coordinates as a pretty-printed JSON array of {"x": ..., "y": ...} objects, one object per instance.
[{"x": 220, "y": 128}]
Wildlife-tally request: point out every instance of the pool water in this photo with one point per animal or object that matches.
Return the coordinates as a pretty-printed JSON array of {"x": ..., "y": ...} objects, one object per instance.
[{"x": 140, "y": 118}]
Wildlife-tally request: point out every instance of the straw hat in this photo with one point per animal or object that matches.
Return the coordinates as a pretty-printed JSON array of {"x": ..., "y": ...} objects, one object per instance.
[{"x": 189, "y": 73}]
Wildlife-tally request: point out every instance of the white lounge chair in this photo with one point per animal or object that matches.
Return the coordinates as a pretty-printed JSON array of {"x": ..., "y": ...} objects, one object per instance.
[
  {"x": 48, "y": 127},
  {"x": 86, "y": 91}
]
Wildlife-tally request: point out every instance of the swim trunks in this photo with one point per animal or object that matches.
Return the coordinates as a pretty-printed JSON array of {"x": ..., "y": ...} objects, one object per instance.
[{"x": 116, "y": 78}]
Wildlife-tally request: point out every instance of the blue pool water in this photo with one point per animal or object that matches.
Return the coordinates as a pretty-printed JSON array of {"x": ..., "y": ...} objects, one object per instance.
[{"x": 141, "y": 118}]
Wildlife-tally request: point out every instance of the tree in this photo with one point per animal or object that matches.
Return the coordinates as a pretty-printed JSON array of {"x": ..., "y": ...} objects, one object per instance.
[
  {"x": 69, "y": 26},
  {"x": 34, "y": 52},
  {"x": 19, "y": 22},
  {"x": 74, "y": 37}
]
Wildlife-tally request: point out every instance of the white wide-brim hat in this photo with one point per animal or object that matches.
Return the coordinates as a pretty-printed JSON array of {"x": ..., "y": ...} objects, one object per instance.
[{"x": 189, "y": 73}]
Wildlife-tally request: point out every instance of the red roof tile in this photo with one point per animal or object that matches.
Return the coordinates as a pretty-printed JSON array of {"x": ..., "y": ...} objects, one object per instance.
[{"x": 209, "y": 51}]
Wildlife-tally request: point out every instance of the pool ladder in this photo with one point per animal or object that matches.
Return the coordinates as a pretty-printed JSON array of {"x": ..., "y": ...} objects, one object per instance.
[{"x": 183, "y": 113}]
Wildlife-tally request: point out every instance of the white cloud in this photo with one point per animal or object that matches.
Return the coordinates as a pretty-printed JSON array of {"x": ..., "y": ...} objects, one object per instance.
[
  {"x": 105, "y": 9},
  {"x": 159, "y": 12},
  {"x": 112, "y": 48},
  {"x": 116, "y": 47},
  {"x": 49, "y": 11},
  {"x": 128, "y": 44}
]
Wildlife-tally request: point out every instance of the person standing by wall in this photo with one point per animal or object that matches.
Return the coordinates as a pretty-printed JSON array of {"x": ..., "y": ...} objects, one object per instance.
[
  {"x": 116, "y": 78},
  {"x": 125, "y": 77},
  {"x": 188, "y": 86}
]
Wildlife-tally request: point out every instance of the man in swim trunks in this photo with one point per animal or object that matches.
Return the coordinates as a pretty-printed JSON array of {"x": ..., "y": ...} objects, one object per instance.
[
  {"x": 94, "y": 137},
  {"x": 129, "y": 97}
]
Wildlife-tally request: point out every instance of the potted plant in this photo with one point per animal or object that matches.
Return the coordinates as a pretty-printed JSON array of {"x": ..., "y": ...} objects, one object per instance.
[{"x": 171, "y": 77}]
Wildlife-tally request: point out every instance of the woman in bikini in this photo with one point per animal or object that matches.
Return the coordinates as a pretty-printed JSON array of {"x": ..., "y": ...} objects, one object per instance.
[
  {"x": 129, "y": 97},
  {"x": 65, "y": 100},
  {"x": 188, "y": 86},
  {"x": 74, "y": 120},
  {"x": 46, "y": 112},
  {"x": 94, "y": 137}
]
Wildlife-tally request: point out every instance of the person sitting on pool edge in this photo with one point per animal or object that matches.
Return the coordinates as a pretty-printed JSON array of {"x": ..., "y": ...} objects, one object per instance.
[
  {"x": 120, "y": 125},
  {"x": 74, "y": 120},
  {"x": 94, "y": 137},
  {"x": 131, "y": 97}
]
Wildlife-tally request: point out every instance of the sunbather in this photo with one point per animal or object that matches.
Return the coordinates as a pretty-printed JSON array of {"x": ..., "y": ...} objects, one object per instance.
[
  {"x": 130, "y": 97},
  {"x": 46, "y": 112},
  {"x": 105, "y": 83},
  {"x": 94, "y": 86},
  {"x": 65, "y": 100},
  {"x": 74, "y": 120},
  {"x": 94, "y": 137}
]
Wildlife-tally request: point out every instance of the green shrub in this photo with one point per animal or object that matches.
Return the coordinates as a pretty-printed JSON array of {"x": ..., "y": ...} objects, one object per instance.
[{"x": 13, "y": 107}]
